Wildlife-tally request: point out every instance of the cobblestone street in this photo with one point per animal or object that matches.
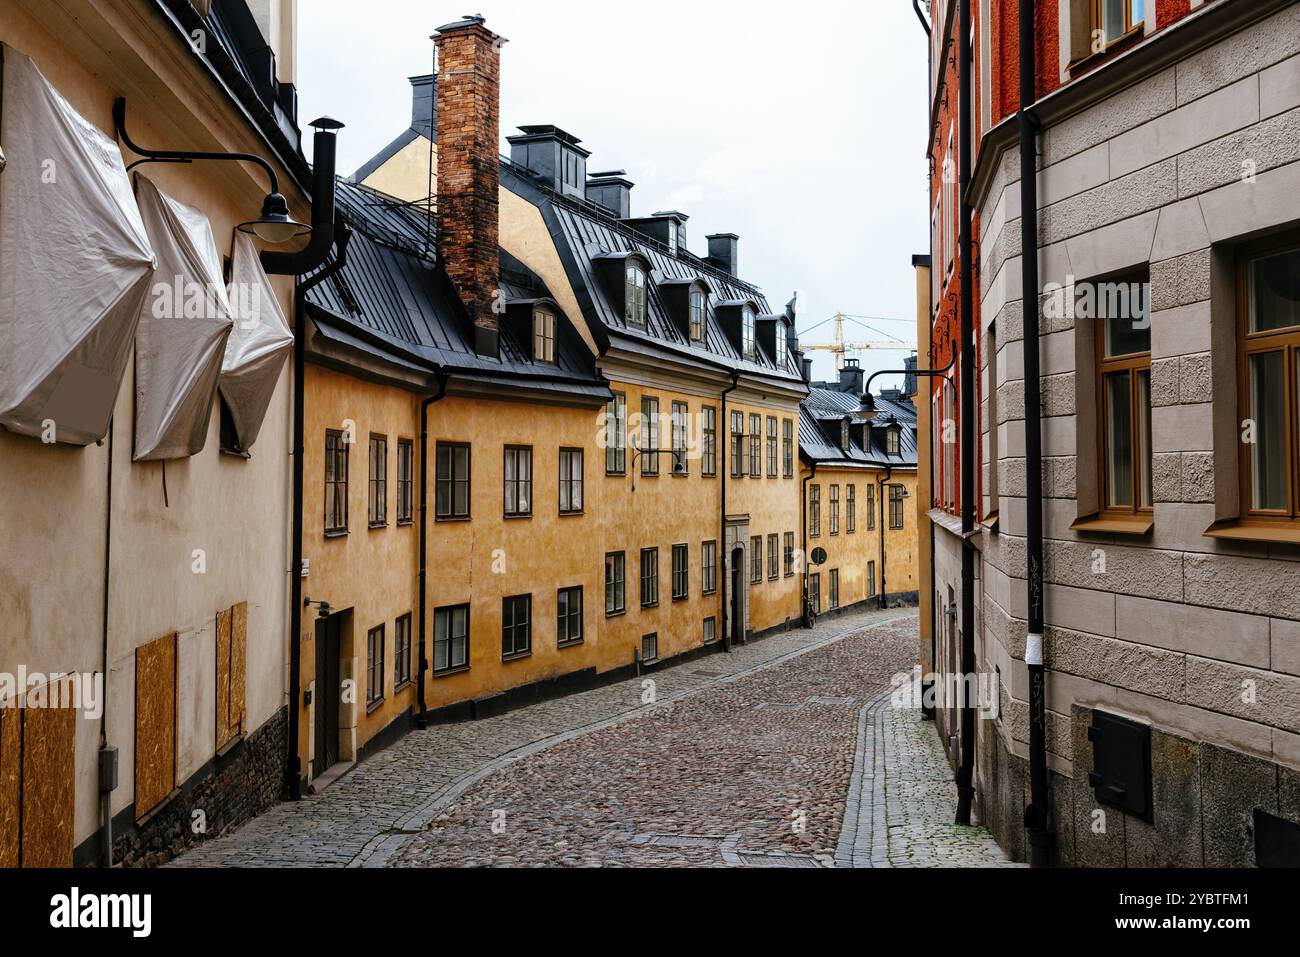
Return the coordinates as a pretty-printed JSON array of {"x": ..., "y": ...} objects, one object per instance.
[{"x": 784, "y": 753}]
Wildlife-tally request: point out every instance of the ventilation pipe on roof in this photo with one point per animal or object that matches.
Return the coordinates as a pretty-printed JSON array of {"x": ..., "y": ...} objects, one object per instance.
[
  {"x": 724, "y": 252},
  {"x": 851, "y": 377}
]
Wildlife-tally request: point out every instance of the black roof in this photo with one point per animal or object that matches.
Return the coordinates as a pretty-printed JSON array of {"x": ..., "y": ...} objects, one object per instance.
[
  {"x": 825, "y": 408},
  {"x": 392, "y": 297}
]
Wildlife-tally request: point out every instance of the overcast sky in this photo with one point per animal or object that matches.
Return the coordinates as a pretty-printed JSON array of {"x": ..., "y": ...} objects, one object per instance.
[{"x": 801, "y": 127}]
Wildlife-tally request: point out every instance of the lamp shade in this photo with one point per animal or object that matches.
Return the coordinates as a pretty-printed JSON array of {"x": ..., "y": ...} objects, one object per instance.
[{"x": 275, "y": 225}]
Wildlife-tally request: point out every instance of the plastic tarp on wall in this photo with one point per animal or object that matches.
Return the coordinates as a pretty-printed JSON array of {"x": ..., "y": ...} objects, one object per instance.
[
  {"x": 75, "y": 265},
  {"x": 258, "y": 346},
  {"x": 183, "y": 330}
]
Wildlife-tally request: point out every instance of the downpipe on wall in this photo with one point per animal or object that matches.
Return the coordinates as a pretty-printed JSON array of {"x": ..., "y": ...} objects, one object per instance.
[
  {"x": 421, "y": 720},
  {"x": 723, "y": 552}
]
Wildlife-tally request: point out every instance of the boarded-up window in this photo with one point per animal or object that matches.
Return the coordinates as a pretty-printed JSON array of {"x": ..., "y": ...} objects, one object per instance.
[
  {"x": 232, "y": 645},
  {"x": 155, "y": 723},
  {"x": 37, "y": 784}
]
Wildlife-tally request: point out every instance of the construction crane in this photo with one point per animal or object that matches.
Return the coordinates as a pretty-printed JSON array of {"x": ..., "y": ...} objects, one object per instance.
[{"x": 843, "y": 347}]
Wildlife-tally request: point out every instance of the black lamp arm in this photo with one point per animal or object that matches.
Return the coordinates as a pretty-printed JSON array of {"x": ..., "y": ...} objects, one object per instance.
[
  {"x": 182, "y": 156},
  {"x": 926, "y": 373}
]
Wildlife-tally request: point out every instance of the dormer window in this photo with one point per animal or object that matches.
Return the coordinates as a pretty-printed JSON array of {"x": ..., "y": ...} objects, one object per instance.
[
  {"x": 781, "y": 348},
  {"x": 844, "y": 434},
  {"x": 891, "y": 441},
  {"x": 634, "y": 295},
  {"x": 543, "y": 335},
  {"x": 697, "y": 316},
  {"x": 673, "y": 234},
  {"x": 747, "y": 331}
]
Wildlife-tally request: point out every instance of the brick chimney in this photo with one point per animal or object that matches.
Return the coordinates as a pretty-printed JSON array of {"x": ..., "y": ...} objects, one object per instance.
[{"x": 469, "y": 173}]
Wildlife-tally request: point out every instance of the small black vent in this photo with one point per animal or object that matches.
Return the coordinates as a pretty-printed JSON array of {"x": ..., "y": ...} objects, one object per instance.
[
  {"x": 1277, "y": 842},
  {"x": 1121, "y": 763}
]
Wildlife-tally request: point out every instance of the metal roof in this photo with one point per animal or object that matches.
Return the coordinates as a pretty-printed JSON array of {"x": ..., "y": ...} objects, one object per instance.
[{"x": 823, "y": 410}]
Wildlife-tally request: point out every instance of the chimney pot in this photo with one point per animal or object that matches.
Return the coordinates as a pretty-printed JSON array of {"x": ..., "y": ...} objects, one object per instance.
[{"x": 724, "y": 249}]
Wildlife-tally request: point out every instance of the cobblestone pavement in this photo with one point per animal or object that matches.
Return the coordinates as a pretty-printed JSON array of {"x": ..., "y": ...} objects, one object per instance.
[{"x": 745, "y": 759}]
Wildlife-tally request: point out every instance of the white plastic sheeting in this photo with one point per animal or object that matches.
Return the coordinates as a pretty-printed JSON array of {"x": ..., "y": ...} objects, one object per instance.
[
  {"x": 258, "y": 346},
  {"x": 75, "y": 265},
  {"x": 183, "y": 330}
]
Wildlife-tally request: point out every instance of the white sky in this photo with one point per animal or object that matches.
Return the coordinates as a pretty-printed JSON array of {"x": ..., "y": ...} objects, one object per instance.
[{"x": 801, "y": 128}]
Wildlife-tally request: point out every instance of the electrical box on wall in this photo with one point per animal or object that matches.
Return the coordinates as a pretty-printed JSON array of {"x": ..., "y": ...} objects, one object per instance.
[{"x": 1121, "y": 763}]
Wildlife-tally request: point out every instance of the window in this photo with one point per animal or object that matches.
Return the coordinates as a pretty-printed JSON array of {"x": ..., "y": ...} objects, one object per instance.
[
  {"x": 738, "y": 445},
  {"x": 378, "y": 506},
  {"x": 709, "y": 568},
  {"x": 755, "y": 446},
  {"x": 516, "y": 626},
  {"x": 571, "y": 461},
  {"x": 871, "y": 508},
  {"x": 615, "y": 584},
  {"x": 1116, "y": 18},
  {"x": 946, "y": 423},
  {"x": 616, "y": 435},
  {"x": 771, "y": 446},
  {"x": 452, "y": 494},
  {"x": 773, "y": 548},
  {"x": 375, "y": 666},
  {"x": 891, "y": 441},
  {"x": 402, "y": 652},
  {"x": 851, "y": 509},
  {"x": 543, "y": 336},
  {"x": 835, "y": 509},
  {"x": 789, "y": 554},
  {"x": 518, "y": 481},
  {"x": 1124, "y": 390},
  {"x": 405, "y": 481},
  {"x": 815, "y": 592},
  {"x": 814, "y": 510},
  {"x": 649, "y": 577},
  {"x": 1270, "y": 381},
  {"x": 568, "y": 616},
  {"x": 697, "y": 316},
  {"x": 747, "y": 331},
  {"x": 948, "y": 218},
  {"x": 787, "y": 448},
  {"x": 650, "y": 648},
  {"x": 781, "y": 351},
  {"x": 756, "y": 560},
  {"x": 709, "y": 448},
  {"x": 896, "y": 495},
  {"x": 649, "y": 434},
  {"x": 634, "y": 296},
  {"x": 835, "y": 588},
  {"x": 710, "y": 630},
  {"x": 844, "y": 434},
  {"x": 681, "y": 572},
  {"x": 871, "y": 579},
  {"x": 681, "y": 420},
  {"x": 336, "y": 482},
  {"x": 450, "y": 639}
]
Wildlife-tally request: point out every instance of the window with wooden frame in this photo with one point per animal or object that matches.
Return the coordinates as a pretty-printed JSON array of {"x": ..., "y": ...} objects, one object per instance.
[
  {"x": 835, "y": 509},
  {"x": 697, "y": 316},
  {"x": 374, "y": 666},
  {"x": 897, "y": 494},
  {"x": 710, "y": 630},
  {"x": 835, "y": 589},
  {"x": 543, "y": 336},
  {"x": 405, "y": 482},
  {"x": 850, "y": 509},
  {"x": 871, "y": 579},
  {"x": 755, "y": 446},
  {"x": 680, "y": 424},
  {"x": 738, "y": 445},
  {"x": 232, "y": 649},
  {"x": 571, "y": 491},
  {"x": 1115, "y": 20},
  {"x": 771, "y": 446},
  {"x": 616, "y": 435},
  {"x": 773, "y": 549},
  {"x": 815, "y": 592},
  {"x": 518, "y": 473},
  {"x": 814, "y": 511},
  {"x": 451, "y": 494},
  {"x": 787, "y": 448},
  {"x": 378, "y": 488},
  {"x": 649, "y": 577},
  {"x": 709, "y": 568},
  {"x": 615, "y": 584},
  {"x": 893, "y": 438},
  {"x": 709, "y": 442},
  {"x": 747, "y": 319},
  {"x": 871, "y": 508},
  {"x": 681, "y": 572},
  {"x": 516, "y": 627},
  {"x": 649, "y": 435},
  {"x": 788, "y": 557},
  {"x": 401, "y": 652},
  {"x": 336, "y": 482},
  {"x": 1123, "y": 331},
  {"x": 650, "y": 647},
  {"x": 1268, "y": 330},
  {"x": 634, "y": 295},
  {"x": 568, "y": 617},
  {"x": 450, "y": 639},
  {"x": 756, "y": 560}
]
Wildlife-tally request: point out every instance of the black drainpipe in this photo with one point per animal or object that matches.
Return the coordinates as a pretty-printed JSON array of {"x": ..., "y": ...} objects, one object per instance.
[
  {"x": 420, "y": 716},
  {"x": 723, "y": 553},
  {"x": 803, "y": 510},
  {"x": 889, "y": 473},
  {"x": 966, "y": 771},
  {"x": 107, "y": 756},
  {"x": 1037, "y": 816}
]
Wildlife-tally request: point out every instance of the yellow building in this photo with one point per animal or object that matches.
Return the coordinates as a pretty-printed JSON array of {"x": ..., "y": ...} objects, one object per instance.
[
  {"x": 859, "y": 475},
  {"x": 608, "y": 424}
]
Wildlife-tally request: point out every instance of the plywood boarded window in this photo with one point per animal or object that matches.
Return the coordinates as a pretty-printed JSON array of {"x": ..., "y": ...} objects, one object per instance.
[
  {"x": 37, "y": 785},
  {"x": 155, "y": 723},
  {"x": 232, "y": 646}
]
